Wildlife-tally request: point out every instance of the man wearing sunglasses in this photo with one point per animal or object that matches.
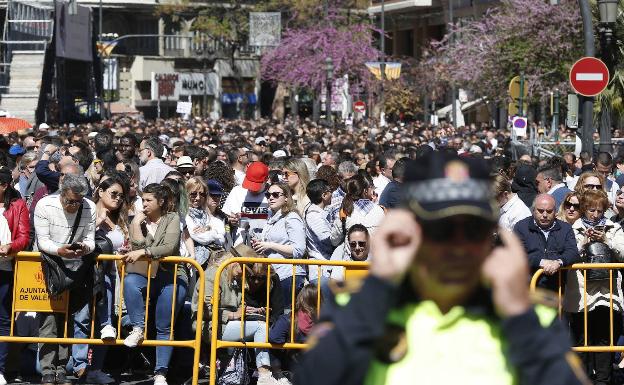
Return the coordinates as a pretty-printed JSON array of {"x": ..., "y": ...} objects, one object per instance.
[{"x": 438, "y": 289}]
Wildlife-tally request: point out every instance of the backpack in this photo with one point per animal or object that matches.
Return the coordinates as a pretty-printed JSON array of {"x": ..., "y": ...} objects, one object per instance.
[{"x": 236, "y": 372}]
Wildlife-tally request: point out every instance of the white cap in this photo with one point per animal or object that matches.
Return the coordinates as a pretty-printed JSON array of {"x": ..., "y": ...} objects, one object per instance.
[
  {"x": 92, "y": 134},
  {"x": 185, "y": 161},
  {"x": 44, "y": 126},
  {"x": 279, "y": 154},
  {"x": 260, "y": 139}
]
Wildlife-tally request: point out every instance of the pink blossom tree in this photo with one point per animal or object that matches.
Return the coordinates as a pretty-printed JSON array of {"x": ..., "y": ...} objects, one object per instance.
[
  {"x": 529, "y": 36},
  {"x": 299, "y": 60}
]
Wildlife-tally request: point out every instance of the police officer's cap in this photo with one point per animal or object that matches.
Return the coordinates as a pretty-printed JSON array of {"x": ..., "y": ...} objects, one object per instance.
[{"x": 441, "y": 185}]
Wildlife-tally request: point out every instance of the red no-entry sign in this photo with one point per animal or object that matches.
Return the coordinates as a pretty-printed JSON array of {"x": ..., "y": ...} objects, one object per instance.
[
  {"x": 359, "y": 106},
  {"x": 589, "y": 76}
]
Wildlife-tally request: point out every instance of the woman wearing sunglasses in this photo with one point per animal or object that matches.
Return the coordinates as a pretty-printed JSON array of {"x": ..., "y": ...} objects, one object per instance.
[
  {"x": 112, "y": 224},
  {"x": 593, "y": 226},
  {"x": 283, "y": 237},
  {"x": 205, "y": 229},
  {"x": 570, "y": 210},
  {"x": 589, "y": 181}
]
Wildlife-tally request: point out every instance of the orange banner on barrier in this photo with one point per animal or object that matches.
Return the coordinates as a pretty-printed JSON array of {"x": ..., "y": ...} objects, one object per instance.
[{"x": 31, "y": 293}]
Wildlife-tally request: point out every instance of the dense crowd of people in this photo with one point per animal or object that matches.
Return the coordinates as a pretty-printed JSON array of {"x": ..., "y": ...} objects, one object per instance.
[{"x": 211, "y": 191}]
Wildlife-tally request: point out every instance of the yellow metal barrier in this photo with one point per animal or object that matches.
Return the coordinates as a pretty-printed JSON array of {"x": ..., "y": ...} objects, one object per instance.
[
  {"x": 30, "y": 263},
  {"x": 353, "y": 270},
  {"x": 560, "y": 289}
]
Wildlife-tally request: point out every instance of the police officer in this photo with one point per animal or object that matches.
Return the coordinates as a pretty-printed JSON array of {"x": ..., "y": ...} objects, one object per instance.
[{"x": 441, "y": 304}]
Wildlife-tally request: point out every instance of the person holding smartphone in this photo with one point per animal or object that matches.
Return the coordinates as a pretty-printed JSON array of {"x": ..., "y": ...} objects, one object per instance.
[
  {"x": 593, "y": 226},
  {"x": 438, "y": 287}
]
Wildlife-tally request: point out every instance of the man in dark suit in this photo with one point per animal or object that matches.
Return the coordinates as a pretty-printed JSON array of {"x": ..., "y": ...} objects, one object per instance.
[{"x": 548, "y": 242}]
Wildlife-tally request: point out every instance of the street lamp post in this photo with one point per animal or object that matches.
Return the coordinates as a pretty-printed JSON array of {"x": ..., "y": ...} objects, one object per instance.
[
  {"x": 589, "y": 50},
  {"x": 329, "y": 68},
  {"x": 608, "y": 15},
  {"x": 382, "y": 65},
  {"x": 453, "y": 89}
]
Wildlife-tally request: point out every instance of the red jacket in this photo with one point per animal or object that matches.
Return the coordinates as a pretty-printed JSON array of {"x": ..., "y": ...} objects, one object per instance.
[{"x": 19, "y": 224}]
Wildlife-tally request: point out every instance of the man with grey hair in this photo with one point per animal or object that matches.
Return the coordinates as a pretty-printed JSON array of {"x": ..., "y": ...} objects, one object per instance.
[
  {"x": 65, "y": 231},
  {"x": 153, "y": 169}
]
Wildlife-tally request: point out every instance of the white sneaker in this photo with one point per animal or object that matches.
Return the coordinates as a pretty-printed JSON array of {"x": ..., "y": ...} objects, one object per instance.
[
  {"x": 266, "y": 378},
  {"x": 108, "y": 333},
  {"x": 3, "y": 380},
  {"x": 135, "y": 338},
  {"x": 159, "y": 379}
]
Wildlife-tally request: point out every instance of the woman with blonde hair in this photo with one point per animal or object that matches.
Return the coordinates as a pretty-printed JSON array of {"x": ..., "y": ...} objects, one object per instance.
[
  {"x": 206, "y": 230},
  {"x": 297, "y": 177},
  {"x": 570, "y": 210}
]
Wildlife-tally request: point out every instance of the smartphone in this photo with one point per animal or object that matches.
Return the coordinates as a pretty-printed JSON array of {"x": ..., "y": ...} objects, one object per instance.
[
  {"x": 599, "y": 228},
  {"x": 75, "y": 246}
]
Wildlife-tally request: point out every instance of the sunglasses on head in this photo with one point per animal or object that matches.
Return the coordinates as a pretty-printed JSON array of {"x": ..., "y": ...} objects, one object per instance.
[
  {"x": 473, "y": 229},
  {"x": 569, "y": 205},
  {"x": 274, "y": 195}
]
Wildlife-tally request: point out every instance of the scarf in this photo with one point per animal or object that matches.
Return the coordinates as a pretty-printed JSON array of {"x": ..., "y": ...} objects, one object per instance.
[
  {"x": 587, "y": 223},
  {"x": 200, "y": 217}
]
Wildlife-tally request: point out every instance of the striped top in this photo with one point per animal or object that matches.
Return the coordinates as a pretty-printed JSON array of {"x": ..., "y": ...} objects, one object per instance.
[{"x": 53, "y": 225}]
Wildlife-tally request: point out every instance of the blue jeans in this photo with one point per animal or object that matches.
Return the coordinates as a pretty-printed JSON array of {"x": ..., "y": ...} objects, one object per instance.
[
  {"x": 103, "y": 312},
  {"x": 161, "y": 292},
  {"x": 286, "y": 288},
  {"x": 254, "y": 331},
  {"x": 6, "y": 300}
]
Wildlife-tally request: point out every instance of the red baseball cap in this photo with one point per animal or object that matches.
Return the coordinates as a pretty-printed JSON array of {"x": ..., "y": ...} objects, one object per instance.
[{"x": 255, "y": 177}]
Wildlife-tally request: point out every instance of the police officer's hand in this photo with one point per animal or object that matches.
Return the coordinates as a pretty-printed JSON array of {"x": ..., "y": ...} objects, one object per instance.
[
  {"x": 394, "y": 245},
  {"x": 506, "y": 271}
]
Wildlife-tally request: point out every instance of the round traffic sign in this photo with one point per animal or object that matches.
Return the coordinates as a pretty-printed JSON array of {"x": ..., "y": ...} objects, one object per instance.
[
  {"x": 589, "y": 76},
  {"x": 359, "y": 106},
  {"x": 519, "y": 122}
]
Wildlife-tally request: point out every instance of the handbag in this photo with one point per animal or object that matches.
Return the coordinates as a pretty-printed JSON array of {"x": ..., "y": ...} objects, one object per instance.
[
  {"x": 62, "y": 274},
  {"x": 236, "y": 372},
  {"x": 598, "y": 252}
]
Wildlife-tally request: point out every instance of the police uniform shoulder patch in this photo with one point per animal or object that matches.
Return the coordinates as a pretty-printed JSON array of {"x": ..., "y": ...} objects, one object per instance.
[
  {"x": 392, "y": 346},
  {"x": 319, "y": 331}
]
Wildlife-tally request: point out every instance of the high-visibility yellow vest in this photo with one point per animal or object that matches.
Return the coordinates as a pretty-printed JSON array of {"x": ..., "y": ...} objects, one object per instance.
[{"x": 453, "y": 348}]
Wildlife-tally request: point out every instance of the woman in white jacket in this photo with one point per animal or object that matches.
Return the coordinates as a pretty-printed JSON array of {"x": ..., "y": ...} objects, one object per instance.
[
  {"x": 205, "y": 229},
  {"x": 357, "y": 208},
  {"x": 593, "y": 226}
]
